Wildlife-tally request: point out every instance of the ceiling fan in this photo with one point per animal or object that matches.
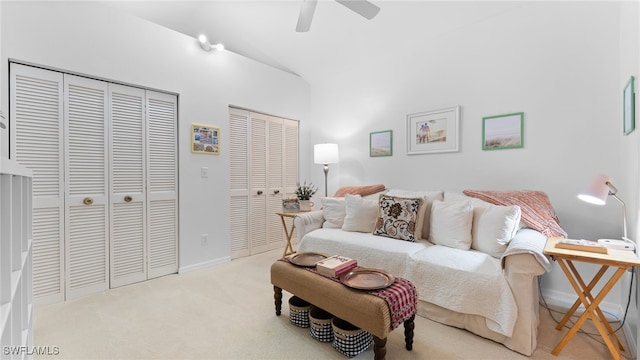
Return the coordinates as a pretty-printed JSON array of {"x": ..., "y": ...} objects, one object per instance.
[{"x": 362, "y": 7}]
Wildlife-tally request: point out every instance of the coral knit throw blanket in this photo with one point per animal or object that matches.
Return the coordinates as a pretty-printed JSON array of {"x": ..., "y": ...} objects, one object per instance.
[
  {"x": 359, "y": 190},
  {"x": 535, "y": 206}
]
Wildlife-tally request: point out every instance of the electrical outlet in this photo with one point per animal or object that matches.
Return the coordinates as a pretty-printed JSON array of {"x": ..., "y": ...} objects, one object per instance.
[{"x": 203, "y": 239}]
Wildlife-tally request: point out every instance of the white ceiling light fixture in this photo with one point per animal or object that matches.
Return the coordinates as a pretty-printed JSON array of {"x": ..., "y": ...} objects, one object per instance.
[
  {"x": 207, "y": 46},
  {"x": 363, "y": 8}
]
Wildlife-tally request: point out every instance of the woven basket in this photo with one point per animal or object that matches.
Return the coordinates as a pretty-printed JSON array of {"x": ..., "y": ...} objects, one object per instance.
[
  {"x": 320, "y": 325},
  {"x": 348, "y": 339},
  {"x": 299, "y": 312}
]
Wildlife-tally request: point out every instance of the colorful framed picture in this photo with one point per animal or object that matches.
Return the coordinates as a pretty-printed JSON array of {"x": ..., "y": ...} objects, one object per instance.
[
  {"x": 381, "y": 143},
  {"x": 205, "y": 139},
  {"x": 628, "y": 107},
  {"x": 433, "y": 131},
  {"x": 503, "y": 131},
  {"x": 290, "y": 205}
]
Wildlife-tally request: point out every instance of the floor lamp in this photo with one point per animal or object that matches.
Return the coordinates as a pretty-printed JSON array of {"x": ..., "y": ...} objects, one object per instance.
[{"x": 325, "y": 154}]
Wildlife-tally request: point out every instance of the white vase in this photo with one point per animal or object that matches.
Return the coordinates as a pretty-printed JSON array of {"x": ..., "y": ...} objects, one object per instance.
[{"x": 305, "y": 205}]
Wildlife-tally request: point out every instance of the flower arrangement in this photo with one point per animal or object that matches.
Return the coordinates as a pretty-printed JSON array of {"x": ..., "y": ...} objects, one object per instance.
[{"x": 305, "y": 192}]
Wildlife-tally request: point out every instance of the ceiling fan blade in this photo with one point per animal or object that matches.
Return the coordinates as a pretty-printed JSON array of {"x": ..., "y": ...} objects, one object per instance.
[
  {"x": 306, "y": 15},
  {"x": 362, "y": 7}
]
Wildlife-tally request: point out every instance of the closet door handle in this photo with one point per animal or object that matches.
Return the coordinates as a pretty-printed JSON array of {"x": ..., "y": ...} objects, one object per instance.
[
  {"x": 87, "y": 201},
  {"x": 259, "y": 192},
  {"x": 128, "y": 198},
  {"x": 276, "y": 191}
]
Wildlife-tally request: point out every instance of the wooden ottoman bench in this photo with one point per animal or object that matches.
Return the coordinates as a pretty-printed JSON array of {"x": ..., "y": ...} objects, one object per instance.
[{"x": 366, "y": 311}]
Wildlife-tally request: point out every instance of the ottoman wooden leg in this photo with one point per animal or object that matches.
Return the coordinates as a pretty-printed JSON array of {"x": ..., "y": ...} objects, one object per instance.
[
  {"x": 379, "y": 348},
  {"x": 409, "y": 325},
  {"x": 277, "y": 296}
]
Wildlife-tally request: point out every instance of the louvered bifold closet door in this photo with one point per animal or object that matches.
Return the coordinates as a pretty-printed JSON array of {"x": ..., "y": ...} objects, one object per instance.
[
  {"x": 86, "y": 205},
  {"x": 290, "y": 160},
  {"x": 128, "y": 197},
  {"x": 162, "y": 183},
  {"x": 258, "y": 168},
  {"x": 290, "y": 156},
  {"x": 37, "y": 135},
  {"x": 275, "y": 175},
  {"x": 239, "y": 181}
]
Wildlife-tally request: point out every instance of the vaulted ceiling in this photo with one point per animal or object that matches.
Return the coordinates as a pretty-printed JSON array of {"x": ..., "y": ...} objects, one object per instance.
[{"x": 339, "y": 40}]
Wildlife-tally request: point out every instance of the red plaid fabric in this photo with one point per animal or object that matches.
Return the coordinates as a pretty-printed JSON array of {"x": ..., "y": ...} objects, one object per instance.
[{"x": 401, "y": 296}]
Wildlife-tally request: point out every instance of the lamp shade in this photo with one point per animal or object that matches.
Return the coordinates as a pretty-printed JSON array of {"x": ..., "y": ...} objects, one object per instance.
[
  {"x": 597, "y": 191},
  {"x": 325, "y": 153}
]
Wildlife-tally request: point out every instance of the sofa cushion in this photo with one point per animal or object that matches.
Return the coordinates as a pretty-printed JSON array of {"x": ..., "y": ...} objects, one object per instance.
[
  {"x": 451, "y": 223},
  {"x": 361, "y": 213},
  {"x": 428, "y": 196},
  {"x": 333, "y": 211},
  {"x": 493, "y": 227},
  {"x": 399, "y": 218},
  {"x": 370, "y": 251},
  {"x": 468, "y": 282}
]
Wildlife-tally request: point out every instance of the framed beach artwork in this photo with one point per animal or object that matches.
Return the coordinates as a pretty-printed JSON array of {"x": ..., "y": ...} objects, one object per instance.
[
  {"x": 503, "y": 131},
  {"x": 205, "y": 139},
  {"x": 434, "y": 131},
  {"x": 381, "y": 143},
  {"x": 628, "y": 108}
]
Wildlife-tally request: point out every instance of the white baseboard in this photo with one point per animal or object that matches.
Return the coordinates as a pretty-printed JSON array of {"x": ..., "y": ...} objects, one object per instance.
[
  {"x": 559, "y": 300},
  {"x": 203, "y": 265}
]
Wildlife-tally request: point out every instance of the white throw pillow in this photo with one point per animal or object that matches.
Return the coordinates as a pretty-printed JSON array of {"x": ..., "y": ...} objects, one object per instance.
[
  {"x": 493, "y": 228},
  {"x": 361, "y": 214},
  {"x": 451, "y": 223},
  {"x": 428, "y": 196},
  {"x": 333, "y": 211}
]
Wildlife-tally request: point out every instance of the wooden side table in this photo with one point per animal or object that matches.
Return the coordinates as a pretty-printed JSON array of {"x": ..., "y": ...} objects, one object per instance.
[
  {"x": 623, "y": 260},
  {"x": 288, "y": 249}
]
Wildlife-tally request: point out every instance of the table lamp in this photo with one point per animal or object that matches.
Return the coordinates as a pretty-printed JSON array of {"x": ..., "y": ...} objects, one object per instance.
[
  {"x": 597, "y": 193},
  {"x": 325, "y": 154}
]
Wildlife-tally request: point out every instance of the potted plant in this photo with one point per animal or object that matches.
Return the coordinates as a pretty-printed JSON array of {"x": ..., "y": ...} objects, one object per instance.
[{"x": 304, "y": 193}]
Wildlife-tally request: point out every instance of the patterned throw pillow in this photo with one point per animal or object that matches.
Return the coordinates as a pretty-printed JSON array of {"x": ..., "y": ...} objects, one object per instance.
[{"x": 399, "y": 218}]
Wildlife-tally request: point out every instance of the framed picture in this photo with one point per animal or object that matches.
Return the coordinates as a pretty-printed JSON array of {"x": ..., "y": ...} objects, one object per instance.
[
  {"x": 290, "y": 205},
  {"x": 381, "y": 143},
  {"x": 433, "y": 131},
  {"x": 503, "y": 131},
  {"x": 205, "y": 139},
  {"x": 628, "y": 107}
]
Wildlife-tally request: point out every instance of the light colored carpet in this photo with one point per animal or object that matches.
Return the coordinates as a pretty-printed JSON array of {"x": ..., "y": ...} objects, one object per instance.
[{"x": 227, "y": 312}]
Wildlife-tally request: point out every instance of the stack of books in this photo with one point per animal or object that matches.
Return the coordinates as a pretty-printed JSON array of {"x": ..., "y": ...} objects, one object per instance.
[{"x": 335, "y": 266}]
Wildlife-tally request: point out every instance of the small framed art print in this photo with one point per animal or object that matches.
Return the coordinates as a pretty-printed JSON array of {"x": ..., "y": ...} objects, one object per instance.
[
  {"x": 628, "y": 107},
  {"x": 503, "y": 131},
  {"x": 205, "y": 139},
  {"x": 381, "y": 143}
]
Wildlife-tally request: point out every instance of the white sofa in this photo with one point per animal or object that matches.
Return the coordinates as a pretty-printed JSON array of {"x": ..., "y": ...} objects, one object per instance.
[{"x": 490, "y": 290}]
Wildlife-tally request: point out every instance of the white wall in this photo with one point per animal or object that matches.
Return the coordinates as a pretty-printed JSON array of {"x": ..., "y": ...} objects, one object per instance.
[
  {"x": 4, "y": 150},
  {"x": 93, "y": 39},
  {"x": 630, "y": 152},
  {"x": 558, "y": 62}
]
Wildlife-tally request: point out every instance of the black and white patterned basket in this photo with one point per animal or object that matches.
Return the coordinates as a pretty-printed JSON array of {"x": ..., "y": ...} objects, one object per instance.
[
  {"x": 299, "y": 312},
  {"x": 348, "y": 339},
  {"x": 320, "y": 325}
]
